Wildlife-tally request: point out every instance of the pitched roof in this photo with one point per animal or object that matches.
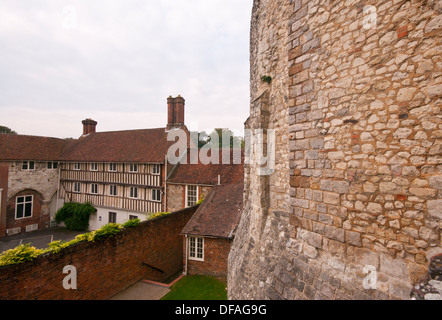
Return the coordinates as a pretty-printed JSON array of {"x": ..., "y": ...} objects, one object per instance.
[
  {"x": 200, "y": 173},
  {"x": 23, "y": 147},
  {"x": 219, "y": 213},
  {"x": 138, "y": 146}
]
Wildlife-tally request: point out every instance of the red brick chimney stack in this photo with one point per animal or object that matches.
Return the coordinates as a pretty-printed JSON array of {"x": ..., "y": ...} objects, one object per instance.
[
  {"x": 175, "y": 112},
  {"x": 89, "y": 126}
]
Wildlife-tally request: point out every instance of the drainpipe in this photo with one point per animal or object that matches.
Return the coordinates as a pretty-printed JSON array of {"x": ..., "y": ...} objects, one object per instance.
[
  {"x": 165, "y": 184},
  {"x": 185, "y": 254}
]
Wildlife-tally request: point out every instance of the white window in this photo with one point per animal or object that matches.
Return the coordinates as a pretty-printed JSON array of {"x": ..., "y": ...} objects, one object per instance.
[
  {"x": 113, "y": 167},
  {"x": 196, "y": 248},
  {"x": 113, "y": 190},
  {"x": 112, "y": 217},
  {"x": 94, "y": 166},
  {"x": 156, "y": 169},
  {"x": 28, "y": 165},
  {"x": 133, "y": 167},
  {"x": 94, "y": 188},
  {"x": 23, "y": 207},
  {"x": 191, "y": 195},
  {"x": 52, "y": 165},
  {"x": 77, "y": 166},
  {"x": 133, "y": 192},
  {"x": 77, "y": 187},
  {"x": 156, "y": 195}
]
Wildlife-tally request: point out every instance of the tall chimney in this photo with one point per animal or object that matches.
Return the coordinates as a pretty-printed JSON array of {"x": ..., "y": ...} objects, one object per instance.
[
  {"x": 89, "y": 126},
  {"x": 170, "y": 112},
  {"x": 175, "y": 112}
]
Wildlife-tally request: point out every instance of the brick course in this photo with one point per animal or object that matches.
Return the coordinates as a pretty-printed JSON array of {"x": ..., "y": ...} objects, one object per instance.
[{"x": 104, "y": 267}]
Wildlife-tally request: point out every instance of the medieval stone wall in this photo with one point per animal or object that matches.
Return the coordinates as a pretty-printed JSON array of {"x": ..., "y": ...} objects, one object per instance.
[{"x": 353, "y": 209}]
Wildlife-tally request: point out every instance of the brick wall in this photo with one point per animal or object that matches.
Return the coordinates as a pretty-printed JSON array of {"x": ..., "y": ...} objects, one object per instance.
[
  {"x": 105, "y": 267},
  {"x": 216, "y": 251}
]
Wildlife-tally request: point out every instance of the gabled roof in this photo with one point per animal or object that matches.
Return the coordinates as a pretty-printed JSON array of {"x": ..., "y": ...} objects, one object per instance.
[
  {"x": 138, "y": 146},
  {"x": 207, "y": 174},
  {"x": 219, "y": 213},
  {"x": 23, "y": 147}
]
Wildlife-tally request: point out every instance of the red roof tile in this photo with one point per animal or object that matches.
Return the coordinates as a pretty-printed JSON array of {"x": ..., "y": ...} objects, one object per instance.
[
  {"x": 138, "y": 146},
  {"x": 219, "y": 213},
  {"x": 23, "y": 147},
  {"x": 208, "y": 173}
]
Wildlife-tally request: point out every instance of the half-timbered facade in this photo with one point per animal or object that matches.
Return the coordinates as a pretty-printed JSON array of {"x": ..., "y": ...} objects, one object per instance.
[{"x": 121, "y": 173}]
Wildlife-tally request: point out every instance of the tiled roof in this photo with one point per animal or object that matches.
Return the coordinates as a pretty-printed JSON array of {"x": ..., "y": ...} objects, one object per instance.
[
  {"x": 138, "y": 146},
  {"x": 23, "y": 147},
  {"x": 208, "y": 173},
  {"x": 219, "y": 213}
]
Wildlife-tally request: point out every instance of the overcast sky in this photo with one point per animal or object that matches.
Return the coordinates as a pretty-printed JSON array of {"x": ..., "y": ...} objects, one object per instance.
[{"x": 117, "y": 62}]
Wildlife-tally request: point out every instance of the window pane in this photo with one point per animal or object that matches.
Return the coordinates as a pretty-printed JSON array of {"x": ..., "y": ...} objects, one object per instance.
[
  {"x": 20, "y": 210},
  {"x": 28, "y": 198},
  {"x": 28, "y": 209},
  {"x": 20, "y": 199},
  {"x": 31, "y": 165}
]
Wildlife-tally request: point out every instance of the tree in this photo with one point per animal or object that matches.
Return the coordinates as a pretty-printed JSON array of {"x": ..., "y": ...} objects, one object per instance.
[{"x": 6, "y": 130}]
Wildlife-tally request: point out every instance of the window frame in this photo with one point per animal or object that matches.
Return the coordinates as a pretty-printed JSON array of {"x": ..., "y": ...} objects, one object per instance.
[
  {"x": 156, "y": 192},
  {"x": 114, "y": 217},
  {"x": 193, "y": 244},
  {"x": 26, "y": 165},
  {"x": 133, "y": 168},
  {"x": 111, "y": 167},
  {"x": 77, "y": 166},
  {"x": 133, "y": 192},
  {"x": 52, "y": 165},
  {"x": 111, "y": 187},
  {"x": 187, "y": 195},
  {"x": 76, "y": 190},
  {"x": 94, "y": 188},
  {"x": 156, "y": 169},
  {"x": 94, "y": 166},
  {"x": 31, "y": 202}
]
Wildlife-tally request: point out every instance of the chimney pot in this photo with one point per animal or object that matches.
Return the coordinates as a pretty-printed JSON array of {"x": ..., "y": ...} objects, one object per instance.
[
  {"x": 175, "y": 112},
  {"x": 89, "y": 126}
]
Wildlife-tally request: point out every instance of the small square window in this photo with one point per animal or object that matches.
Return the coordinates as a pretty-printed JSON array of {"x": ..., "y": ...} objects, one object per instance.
[
  {"x": 113, "y": 190},
  {"x": 156, "y": 195},
  {"x": 196, "y": 248},
  {"x": 133, "y": 167},
  {"x": 156, "y": 169},
  {"x": 133, "y": 192}
]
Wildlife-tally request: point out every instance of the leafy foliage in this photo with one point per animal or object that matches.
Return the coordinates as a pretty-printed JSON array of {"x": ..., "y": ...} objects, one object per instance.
[
  {"x": 131, "y": 223},
  {"x": 6, "y": 130},
  {"x": 19, "y": 254},
  {"x": 108, "y": 230},
  {"x": 75, "y": 215}
]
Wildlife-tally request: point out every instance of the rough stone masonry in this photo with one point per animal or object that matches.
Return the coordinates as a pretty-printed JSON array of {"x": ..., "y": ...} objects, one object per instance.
[{"x": 353, "y": 209}]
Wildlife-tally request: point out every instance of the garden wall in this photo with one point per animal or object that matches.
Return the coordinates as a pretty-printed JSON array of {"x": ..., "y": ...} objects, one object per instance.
[{"x": 105, "y": 267}]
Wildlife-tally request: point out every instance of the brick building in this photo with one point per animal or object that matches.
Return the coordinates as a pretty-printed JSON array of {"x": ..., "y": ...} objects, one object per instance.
[
  {"x": 123, "y": 174},
  {"x": 210, "y": 231},
  {"x": 28, "y": 182}
]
